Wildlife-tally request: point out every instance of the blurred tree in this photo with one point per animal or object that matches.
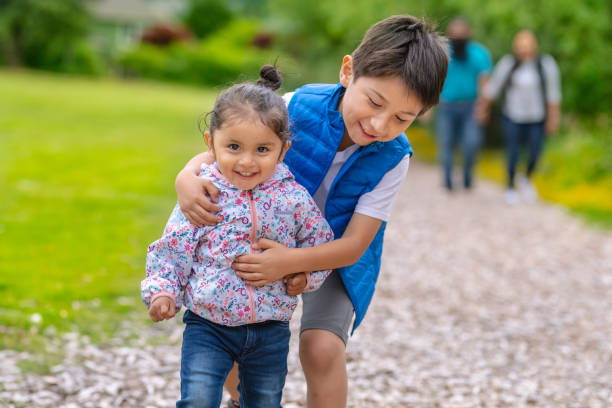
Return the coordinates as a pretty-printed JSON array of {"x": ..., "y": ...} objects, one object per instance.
[
  {"x": 45, "y": 34},
  {"x": 207, "y": 16}
]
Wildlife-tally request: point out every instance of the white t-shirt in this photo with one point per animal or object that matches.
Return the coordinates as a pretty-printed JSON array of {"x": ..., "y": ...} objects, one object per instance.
[
  {"x": 378, "y": 202},
  {"x": 523, "y": 101}
]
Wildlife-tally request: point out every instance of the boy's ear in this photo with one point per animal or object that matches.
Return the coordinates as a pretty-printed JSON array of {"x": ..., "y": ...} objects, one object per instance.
[
  {"x": 346, "y": 71},
  {"x": 209, "y": 143},
  {"x": 285, "y": 148}
]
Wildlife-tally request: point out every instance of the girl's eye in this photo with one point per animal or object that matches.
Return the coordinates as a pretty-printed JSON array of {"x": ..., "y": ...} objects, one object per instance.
[
  {"x": 233, "y": 146},
  {"x": 262, "y": 149},
  {"x": 374, "y": 103}
]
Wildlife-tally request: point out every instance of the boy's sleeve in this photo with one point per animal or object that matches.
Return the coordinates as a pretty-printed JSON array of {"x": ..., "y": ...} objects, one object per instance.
[
  {"x": 170, "y": 259},
  {"x": 312, "y": 229}
]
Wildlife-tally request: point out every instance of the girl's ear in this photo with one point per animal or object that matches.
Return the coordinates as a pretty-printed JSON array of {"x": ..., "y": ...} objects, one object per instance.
[
  {"x": 285, "y": 148},
  {"x": 346, "y": 71},
  {"x": 209, "y": 143}
]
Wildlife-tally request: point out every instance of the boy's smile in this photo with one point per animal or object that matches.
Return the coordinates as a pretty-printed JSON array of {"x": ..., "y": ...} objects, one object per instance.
[
  {"x": 375, "y": 109},
  {"x": 246, "y": 152}
]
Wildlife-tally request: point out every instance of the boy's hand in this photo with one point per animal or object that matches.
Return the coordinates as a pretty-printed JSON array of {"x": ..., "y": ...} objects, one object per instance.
[
  {"x": 295, "y": 283},
  {"x": 263, "y": 268},
  {"x": 197, "y": 195},
  {"x": 162, "y": 308}
]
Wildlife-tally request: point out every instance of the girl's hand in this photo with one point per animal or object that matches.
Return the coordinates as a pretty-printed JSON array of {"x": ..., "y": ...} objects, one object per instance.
[
  {"x": 162, "y": 308},
  {"x": 266, "y": 267},
  {"x": 295, "y": 283},
  {"x": 197, "y": 195}
]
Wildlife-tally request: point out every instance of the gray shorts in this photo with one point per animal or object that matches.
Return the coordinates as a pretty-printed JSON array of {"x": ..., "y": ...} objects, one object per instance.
[{"x": 328, "y": 308}]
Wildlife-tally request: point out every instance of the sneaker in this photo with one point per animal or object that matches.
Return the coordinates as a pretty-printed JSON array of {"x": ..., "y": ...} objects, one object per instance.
[
  {"x": 511, "y": 197},
  {"x": 528, "y": 191}
]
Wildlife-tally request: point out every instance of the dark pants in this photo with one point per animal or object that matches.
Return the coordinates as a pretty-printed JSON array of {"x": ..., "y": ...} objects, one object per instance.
[
  {"x": 456, "y": 125},
  {"x": 208, "y": 354},
  {"x": 517, "y": 134}
]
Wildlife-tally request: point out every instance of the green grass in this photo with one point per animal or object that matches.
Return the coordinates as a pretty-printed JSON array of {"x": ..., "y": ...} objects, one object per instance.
[
  {"x": 575, "y": 169},
  {"x": 87, "y": 170}
]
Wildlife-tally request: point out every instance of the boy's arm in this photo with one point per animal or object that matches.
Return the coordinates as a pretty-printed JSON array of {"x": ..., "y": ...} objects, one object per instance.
[
  {"x": 196, "y": 195},
  {"x": 278, "y": 261},
  {"x": 312, "y": 230}
]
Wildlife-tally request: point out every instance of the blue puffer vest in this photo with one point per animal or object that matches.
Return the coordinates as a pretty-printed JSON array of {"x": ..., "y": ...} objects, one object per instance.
[{"x": 318, "y": 128}]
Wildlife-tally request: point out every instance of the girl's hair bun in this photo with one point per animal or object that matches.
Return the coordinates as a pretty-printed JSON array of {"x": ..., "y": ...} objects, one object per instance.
[{"x": 269, "y": 77}]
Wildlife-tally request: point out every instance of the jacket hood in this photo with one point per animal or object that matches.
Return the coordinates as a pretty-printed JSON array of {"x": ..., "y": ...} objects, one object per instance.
[{"x": 281, "y": 174}]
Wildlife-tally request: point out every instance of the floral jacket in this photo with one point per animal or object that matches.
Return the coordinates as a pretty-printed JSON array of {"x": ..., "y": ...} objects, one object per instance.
[{"x": 192, "y": 264}]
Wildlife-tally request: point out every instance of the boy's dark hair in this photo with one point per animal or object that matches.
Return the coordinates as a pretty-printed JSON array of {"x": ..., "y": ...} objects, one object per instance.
[
  {"x": 246, "y": 101},
  {"x": 405, "y": 47}
]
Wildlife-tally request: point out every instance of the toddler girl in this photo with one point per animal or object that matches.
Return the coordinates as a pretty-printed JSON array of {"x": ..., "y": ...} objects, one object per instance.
[{"x": 226, "y": 320}]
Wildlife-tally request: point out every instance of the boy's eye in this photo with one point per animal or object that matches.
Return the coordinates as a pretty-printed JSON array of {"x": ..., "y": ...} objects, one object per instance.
[
  {"x": 401, "y": 120},
  {"x": 233, "y": 146},
  {"x": 262, "y": 149},
  {"x": 374, "y": 103}
]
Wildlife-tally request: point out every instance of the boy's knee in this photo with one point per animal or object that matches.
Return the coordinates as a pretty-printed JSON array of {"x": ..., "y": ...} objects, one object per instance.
[{"x": 320, "y": 349}]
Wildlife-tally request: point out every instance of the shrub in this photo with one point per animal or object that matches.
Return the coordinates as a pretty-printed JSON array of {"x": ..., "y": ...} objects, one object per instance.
[
  {"x": 204, "y": 17},
  {"x": 219, "y": 59},
  {"x": 46, "y": 35}
]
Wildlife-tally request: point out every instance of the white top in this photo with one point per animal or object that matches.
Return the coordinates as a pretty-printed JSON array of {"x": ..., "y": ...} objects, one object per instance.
[
  {"x": 523, "y": 101},
  {"x": 378, "y": 202}
]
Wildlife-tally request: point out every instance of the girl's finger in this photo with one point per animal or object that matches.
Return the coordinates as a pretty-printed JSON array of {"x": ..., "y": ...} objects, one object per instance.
[{"x": 154, "y": 315}]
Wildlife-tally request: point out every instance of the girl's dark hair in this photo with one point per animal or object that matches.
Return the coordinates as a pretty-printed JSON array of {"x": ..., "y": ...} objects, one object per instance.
[
  {"x": 405, "y": 47},
  {"x": 247, "y": 101}
]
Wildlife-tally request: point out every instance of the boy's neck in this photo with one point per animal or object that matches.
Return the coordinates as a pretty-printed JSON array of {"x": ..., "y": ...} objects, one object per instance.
[{"x": 346, "y": 141}]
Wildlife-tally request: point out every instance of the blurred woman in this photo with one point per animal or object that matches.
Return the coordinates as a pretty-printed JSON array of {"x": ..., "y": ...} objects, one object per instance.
[{"x": 529, "y": 85}]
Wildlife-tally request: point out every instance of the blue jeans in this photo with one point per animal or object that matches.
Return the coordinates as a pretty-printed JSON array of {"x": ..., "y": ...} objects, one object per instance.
[
  {"x": 209, "y": 351},
  {"x": 456, "y": 125},
  {"x": 516, "y": 134}
]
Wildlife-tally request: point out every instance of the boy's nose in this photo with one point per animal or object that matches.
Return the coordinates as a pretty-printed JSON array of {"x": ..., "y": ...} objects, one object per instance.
[{"x": 378, "y": 124}]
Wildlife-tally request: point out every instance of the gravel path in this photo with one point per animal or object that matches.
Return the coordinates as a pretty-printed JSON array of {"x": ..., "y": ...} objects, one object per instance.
[{"x": 479, "y": 305}]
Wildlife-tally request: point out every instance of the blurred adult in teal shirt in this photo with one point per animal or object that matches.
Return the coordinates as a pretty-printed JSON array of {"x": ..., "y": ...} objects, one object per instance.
[{"x": 469, "y": 69}]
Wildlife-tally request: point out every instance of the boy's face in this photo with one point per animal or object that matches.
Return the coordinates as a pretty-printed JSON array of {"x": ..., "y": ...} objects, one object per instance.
[
  {"x": 246, "y": 152},
  {"x": 375, "y": 109}
]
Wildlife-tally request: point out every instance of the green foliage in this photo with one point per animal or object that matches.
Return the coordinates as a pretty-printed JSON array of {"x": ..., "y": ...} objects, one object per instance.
[
  {"x": 219, "y": 59},
  {"x": 47, "y": 35},
  {"x": 86, "y": 174},
  {"x": 577, "y": 34},
  {"x": 204, "y": 17}
]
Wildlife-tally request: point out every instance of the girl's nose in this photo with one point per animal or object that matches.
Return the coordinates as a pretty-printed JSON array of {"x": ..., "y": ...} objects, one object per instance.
[{"x": 246, "y": 160}]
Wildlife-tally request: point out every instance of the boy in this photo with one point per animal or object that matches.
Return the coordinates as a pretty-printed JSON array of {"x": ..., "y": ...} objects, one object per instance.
[{"x": 350, "y": 152}]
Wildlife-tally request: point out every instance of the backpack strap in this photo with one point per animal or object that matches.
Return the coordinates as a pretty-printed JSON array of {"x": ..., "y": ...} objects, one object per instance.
[
  {"x": 508, "y": 79},
  {"x": 540, "y": 67}
]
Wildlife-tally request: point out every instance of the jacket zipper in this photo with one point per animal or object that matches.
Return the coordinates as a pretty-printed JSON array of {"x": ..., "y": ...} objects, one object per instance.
[{"x": 253, "y": 236}]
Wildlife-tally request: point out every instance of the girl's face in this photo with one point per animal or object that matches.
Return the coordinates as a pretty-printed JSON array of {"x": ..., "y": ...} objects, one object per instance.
[{"x": 246, "y": 152}]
